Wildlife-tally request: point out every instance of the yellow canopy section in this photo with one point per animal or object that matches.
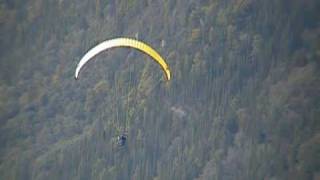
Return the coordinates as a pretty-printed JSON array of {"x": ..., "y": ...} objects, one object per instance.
[{"x": 124, "y": 42}]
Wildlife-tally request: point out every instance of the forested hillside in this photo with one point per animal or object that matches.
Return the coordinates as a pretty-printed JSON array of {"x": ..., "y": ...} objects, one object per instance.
[{"x": 243, "y": 102}]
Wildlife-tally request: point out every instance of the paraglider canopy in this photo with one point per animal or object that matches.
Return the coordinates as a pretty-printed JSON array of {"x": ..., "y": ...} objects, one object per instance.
[{"x": 123, "y": 42}]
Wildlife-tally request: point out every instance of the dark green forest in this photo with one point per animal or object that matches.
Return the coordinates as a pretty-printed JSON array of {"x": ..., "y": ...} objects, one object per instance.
[{"x": 243, "y": 102}]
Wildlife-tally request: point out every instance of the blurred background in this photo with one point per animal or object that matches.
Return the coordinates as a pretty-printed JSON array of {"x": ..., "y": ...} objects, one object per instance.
[{"x": 243, "y": 102}]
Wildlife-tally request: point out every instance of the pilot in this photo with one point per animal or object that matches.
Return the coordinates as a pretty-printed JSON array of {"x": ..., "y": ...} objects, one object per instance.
[{"x": 122, "y": 139}]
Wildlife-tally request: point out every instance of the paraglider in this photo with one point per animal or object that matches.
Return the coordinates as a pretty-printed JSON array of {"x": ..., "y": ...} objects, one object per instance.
[
  {"x": 121, "y": 139},
  {"x": 123, "y": 42}
]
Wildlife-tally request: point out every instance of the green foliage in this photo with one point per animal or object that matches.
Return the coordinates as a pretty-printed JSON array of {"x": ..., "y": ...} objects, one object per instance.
[
  {"x": 243, "y": 102},
  {"x": 195, "y": 35},
  {"x": 309, "y": 155}
]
